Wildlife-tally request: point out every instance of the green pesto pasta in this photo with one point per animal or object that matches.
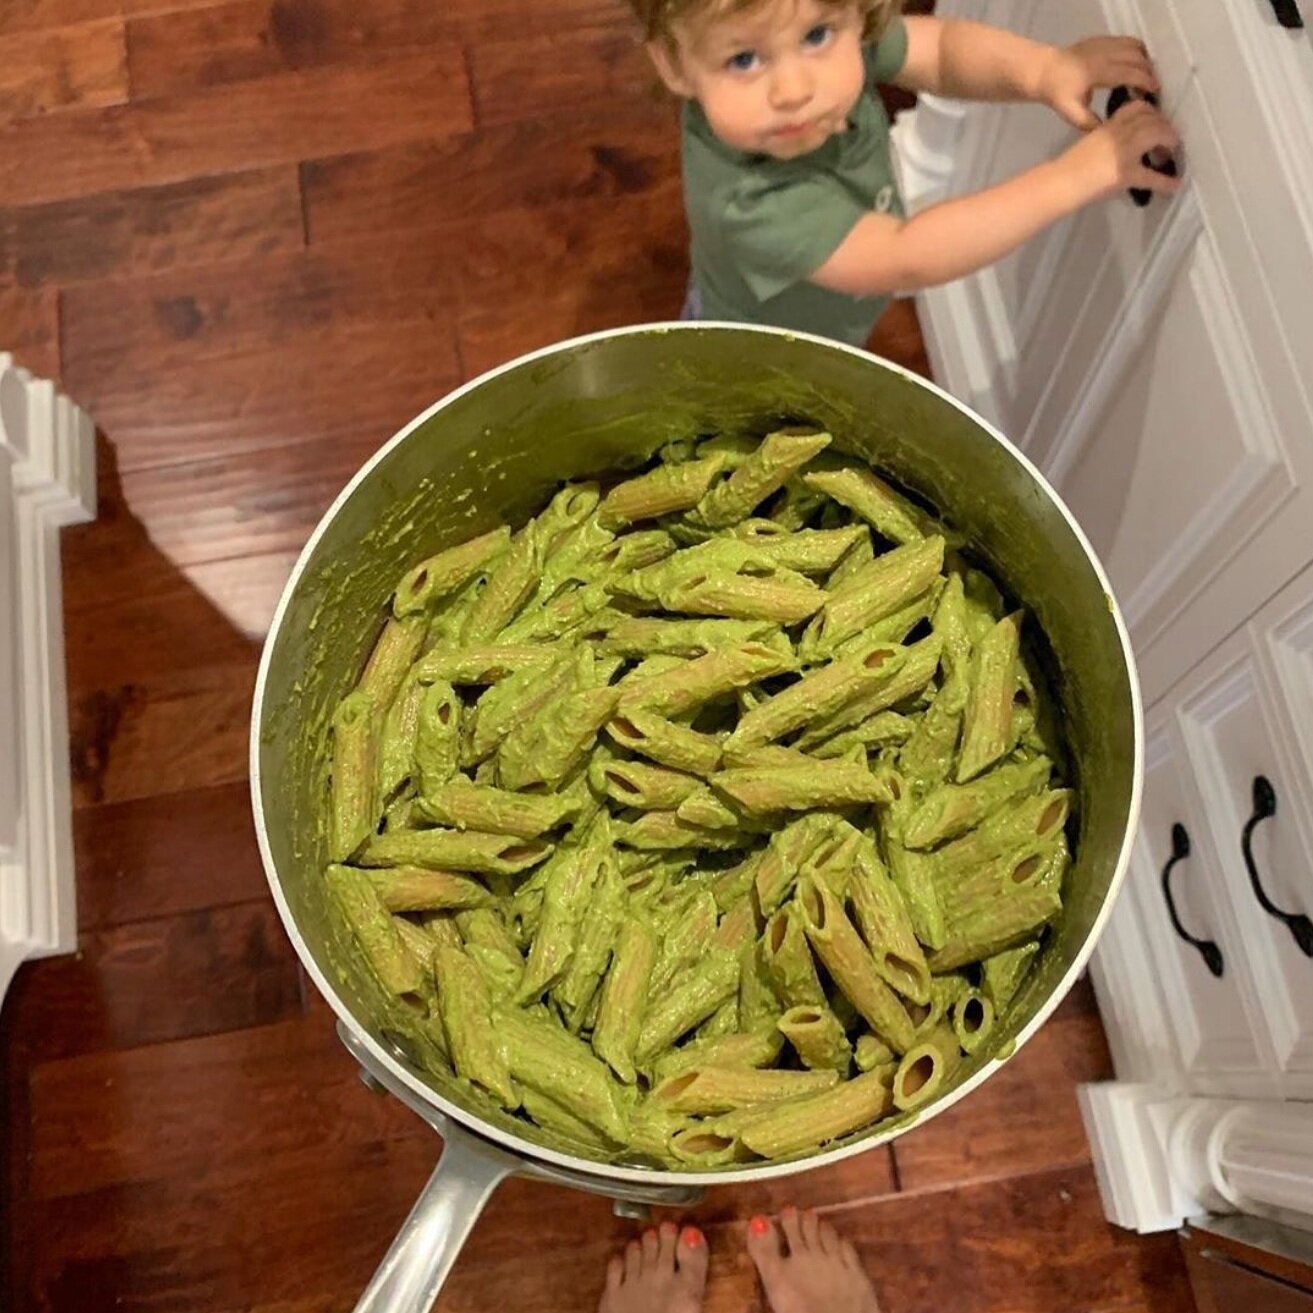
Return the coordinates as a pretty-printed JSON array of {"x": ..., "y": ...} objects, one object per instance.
[{"x": 713, "y": 815}]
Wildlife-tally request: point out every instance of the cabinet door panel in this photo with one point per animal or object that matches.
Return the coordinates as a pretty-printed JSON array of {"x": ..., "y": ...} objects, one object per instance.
[{"x": 1218, "y": 1050}]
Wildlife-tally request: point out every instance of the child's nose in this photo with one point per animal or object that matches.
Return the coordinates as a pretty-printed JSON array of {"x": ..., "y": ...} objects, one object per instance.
[{"x": 790, "y": 87}]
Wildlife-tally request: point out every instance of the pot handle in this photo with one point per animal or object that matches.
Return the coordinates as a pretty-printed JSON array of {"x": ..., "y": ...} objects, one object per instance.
[{"x": 411, "y": 1275}]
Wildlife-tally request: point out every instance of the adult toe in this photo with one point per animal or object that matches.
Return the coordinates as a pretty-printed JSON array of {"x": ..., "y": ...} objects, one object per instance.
[
  {"x": 691, "y": 1256},
  {"x": 810, "y": 1226},
  {"x": 764, "y": 1246},
  {"x": 633, "y": 1260},
  {"x": 667, "y": 1237},
  {"x": 791, "y": 1225}
]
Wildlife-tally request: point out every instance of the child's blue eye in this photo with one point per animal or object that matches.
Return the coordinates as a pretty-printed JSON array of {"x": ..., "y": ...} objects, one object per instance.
[
  {"x": 743, "y": 62},
  {"x": 819, "y": 35}
]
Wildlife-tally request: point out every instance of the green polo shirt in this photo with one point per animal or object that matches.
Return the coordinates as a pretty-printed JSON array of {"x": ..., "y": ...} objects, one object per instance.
[{"x": 761, "y": 226}]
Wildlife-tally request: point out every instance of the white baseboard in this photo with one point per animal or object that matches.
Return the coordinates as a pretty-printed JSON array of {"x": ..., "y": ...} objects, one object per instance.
[{"x": 47, "y": 480}]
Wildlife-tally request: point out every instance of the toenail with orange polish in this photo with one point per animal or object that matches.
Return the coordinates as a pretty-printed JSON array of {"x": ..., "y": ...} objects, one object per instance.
[
  {"x": 692, "y": 1237},
  {"x": 759, "y": 1225}
]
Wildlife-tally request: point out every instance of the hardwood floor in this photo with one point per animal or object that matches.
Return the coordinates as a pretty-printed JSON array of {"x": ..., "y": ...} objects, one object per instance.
[{"x": 253, "y": 237}]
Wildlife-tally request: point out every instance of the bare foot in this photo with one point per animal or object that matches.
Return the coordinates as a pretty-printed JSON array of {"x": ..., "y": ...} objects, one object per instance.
[
  {"x": 818, "y": 1272},
  {"x": 664, "y": 1273}
]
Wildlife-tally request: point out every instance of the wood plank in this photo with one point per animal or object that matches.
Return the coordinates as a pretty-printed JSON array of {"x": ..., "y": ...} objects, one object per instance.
[
  {"x": 608, "y": 154},
  {"x": 166, "y": 855},
  {"x": 203, "y": 972},
  {"x": 897, "y": 337},
  {"x": 38, "y": 15},
  {"x": 130, "y": 234},
  {"x": 321, "y": 391},
  {"x": 84, "y": 65},
  {"x": 1023, "y": 1119},
  {"x": 323, "y": 346},
  {"x": 183, "y": 731},
  {"x": 29, "y": 328},
  {"x": 479, "y": 21},
  {"x": 279, "y": 305},
  {"x": 245, "y": 39},
  {"x": 535, "y": 277},
  {"x": 557, "y": 73},
  {"x": 240, "y": 126},
  {"x": 184, "y": 1109}
]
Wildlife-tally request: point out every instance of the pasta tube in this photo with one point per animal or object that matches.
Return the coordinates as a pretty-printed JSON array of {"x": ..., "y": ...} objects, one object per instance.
[
  {"x": 926, "y": 1070},
  {"x": 789, "y": 960},
  {"x": 817, "y": 1037},
  {"x": 663, "y": 741},
  {"x": 353, "y": 808},
  {"x": 819, "y": 693},
  {"x": 891, "y": 515},
  {"x": 1006, "y": 972},
  {"x": 389, "y": 662},
  {"x": 888, "y": 583},
  {"x": 987, "y": 723},
  {"x": 691, "y": 999},
  {"x": 456, "y": 850},
  {"x": 849, "y": 963},
  {"x": 886, "y": 926},
  {"x": 374, "y": 930},
  {"x": 547, "y": 1059},
  {"x": 566, "y": 891},
  {"x": 467, "y": 806},
  {"x": 807, "y": 1123},
  {"x": 702, "y": 1091},
  {"x": 413, "y": 889},
  {"x": 448, "y": 571},
  {"x": 664, "y": 491},
  {"x": 763, "y": 472},
  {"x": 722, "y": 670},
  {"x": 437, "y": 739},
  {"x": 624, "y": 999},
  {"x": 757, "y": 1048},
  {"x": 466, "y": 1008},
  {"x": 973, "y": 1020}
]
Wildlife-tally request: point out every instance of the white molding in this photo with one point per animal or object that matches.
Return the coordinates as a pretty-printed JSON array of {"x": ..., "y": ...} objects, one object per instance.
[
  {"x": 1123, "y": 341},
  {"x": 1161, "y": 1159},
  {"x": 47, "y": 480}
]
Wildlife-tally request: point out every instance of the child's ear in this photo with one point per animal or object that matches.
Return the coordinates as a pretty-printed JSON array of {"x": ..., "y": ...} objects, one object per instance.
[{"x": 665, "y": 55}]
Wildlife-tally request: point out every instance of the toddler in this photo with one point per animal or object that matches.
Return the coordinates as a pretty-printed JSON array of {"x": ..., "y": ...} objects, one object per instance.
[{"x": 792, "y": 202}]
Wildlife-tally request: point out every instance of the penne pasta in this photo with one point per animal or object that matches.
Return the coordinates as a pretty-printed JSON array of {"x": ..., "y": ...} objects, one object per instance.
[{"x": 656, "y": 827}]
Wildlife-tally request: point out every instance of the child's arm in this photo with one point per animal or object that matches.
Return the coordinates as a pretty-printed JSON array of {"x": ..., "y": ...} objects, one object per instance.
[
  {"x": 884, "y": 254},
  {"x": 970, "y": 61}
]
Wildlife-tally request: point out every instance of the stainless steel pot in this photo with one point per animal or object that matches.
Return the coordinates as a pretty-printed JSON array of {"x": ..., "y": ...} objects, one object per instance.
[{"x": 491, "y": 452}]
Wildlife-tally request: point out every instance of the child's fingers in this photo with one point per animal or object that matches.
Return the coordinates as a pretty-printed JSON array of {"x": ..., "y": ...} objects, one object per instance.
[
  {"x": 1130, "y": 73},
  {"x": 1152, "y": 180},
  {"x": 1154, "y": 133}
]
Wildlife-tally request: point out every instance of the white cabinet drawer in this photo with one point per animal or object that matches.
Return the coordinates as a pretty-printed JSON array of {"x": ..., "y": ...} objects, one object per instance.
[
  {"x": 1245, "y": 713},
  {"x": 1218, "y": 1047}
]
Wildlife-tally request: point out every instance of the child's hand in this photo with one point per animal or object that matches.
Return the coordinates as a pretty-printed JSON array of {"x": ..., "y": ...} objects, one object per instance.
[
  {"x": 1068, "y": 76},
  {"x": 1110, "y": 159}
]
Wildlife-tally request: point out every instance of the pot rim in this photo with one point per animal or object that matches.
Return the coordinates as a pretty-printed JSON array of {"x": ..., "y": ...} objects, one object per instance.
[{"x": 527, "y": 1149}]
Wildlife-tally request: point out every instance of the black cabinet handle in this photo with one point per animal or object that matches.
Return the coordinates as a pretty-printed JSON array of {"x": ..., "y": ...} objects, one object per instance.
[
  {"x": 1265, "y": 806},
  {"x": 1209, "y": 951},
  {"x": 1117, "y": 97},
  {"x": 1287, "y": 12}
]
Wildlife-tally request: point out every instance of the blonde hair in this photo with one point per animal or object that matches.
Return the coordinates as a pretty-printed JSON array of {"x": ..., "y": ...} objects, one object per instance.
[{"x": 659, "y": 17}]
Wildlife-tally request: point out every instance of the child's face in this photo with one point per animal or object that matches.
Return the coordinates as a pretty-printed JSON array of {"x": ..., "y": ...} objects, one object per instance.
[{"x": 778, "y": 79}]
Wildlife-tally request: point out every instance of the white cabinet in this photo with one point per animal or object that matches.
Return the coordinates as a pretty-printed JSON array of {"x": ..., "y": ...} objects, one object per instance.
[{"x": 1157, "y": 364}]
